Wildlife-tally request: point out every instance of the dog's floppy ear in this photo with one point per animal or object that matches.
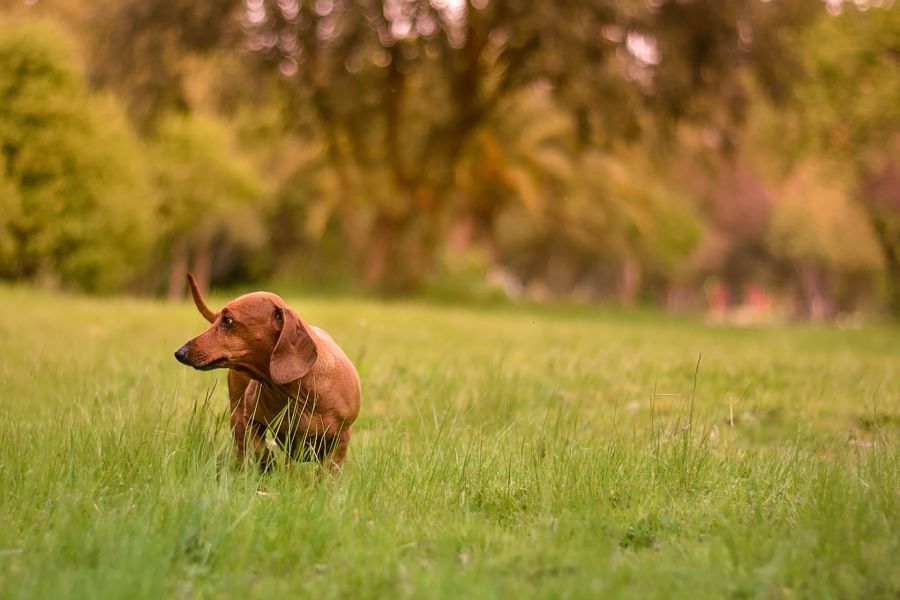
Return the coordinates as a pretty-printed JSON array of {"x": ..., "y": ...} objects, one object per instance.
[
  {"x": 198, "y": 299},
  {"x": 295, "y": 351}
]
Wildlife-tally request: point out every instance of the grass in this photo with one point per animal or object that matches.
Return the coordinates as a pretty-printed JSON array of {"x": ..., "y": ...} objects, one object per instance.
[{"x": 500, "y": 452}]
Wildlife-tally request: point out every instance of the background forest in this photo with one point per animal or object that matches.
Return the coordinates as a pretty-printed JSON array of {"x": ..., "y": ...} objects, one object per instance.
[{"x": 734, "y": 156}]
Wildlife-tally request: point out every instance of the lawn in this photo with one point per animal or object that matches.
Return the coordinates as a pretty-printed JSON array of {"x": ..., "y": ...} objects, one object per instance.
[{"x": 500, "y": 452}]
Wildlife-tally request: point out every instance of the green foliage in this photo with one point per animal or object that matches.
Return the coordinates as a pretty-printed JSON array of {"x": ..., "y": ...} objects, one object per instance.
[
  {"x": 609, "y": 208},
  {"x": 10, "y": 213},
  {"x": 408, "y": 96},
  {"x": 577, "y": 146},
  {"x": 848, "y": 99},
  {"x": 814, "y": 217},
  {"x": 87, "y": 205},
  {"x": 209, "y": 190},
  {"x": 835, "y": 149},
  {"x": 850, "y": 112},
  {"x": 523, "y": 154},
  {"x": 534, "y": 197},
  {"x": 143, "y": 49},
  {"x": 641, "y": 205}
]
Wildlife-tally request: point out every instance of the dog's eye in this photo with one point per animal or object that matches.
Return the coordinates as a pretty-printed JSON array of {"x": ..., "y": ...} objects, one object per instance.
[{"x": 227, "y": 321}]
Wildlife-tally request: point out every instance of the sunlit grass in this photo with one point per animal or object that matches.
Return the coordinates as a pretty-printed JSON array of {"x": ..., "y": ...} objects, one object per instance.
[{"x": 501, "y": 451}]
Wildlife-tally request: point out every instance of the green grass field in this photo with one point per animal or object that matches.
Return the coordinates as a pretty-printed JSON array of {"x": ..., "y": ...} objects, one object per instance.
[{"x": 500, "y": 451}]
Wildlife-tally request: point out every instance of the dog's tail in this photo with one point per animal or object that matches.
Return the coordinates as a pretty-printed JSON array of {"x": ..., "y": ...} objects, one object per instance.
[{"x": 198, "y": 299}]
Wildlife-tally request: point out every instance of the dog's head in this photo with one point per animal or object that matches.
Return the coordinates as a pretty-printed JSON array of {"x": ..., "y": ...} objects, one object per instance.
[{"x": 257, "y": 334}]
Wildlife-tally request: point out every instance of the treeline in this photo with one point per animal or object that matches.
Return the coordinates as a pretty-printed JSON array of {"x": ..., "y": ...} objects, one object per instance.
[{"x": 674, "y": 152}]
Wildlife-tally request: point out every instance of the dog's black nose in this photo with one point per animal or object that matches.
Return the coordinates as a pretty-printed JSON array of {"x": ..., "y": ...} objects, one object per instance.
[{"x": 181, "y": 354}]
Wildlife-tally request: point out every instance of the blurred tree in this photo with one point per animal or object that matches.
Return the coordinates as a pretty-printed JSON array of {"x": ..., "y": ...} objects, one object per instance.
[
  {"x": 546, "y": 211},
  {"x": 815, "y": 213},
  {"x": 10, "y": 215},
  {"x": 523, "y": 154},
  {"x": 142, "y": 49},
  {"x": 848, "y": 109},
  {"x": 73, "y": 167},
  {"x": 709, "y": 58},
  {"x": 210, "y": 196},
  {"x": 620, "y": 222},
  {"x": 880, "y": 191},
  {"x": 399, "y": 88},
  {"x": 736, "y": 200},
  {"x": 581, "y": 145},
  {"x": 847, "y": 100}
]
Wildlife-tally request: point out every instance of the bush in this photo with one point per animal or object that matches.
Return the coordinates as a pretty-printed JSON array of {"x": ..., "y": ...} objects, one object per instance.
[{"x": 81, "y": 207}]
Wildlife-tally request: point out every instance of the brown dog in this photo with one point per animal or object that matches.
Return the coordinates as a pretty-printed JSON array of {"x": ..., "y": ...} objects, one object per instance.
[{"x": 284, "y": 375}]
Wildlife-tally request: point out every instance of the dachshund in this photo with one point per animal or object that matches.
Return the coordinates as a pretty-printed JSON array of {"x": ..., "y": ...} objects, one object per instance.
[{"x": 283, "y": 375}]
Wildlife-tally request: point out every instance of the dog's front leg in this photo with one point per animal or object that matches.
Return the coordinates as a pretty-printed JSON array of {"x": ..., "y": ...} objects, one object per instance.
[
  {"x": 264, "y": 455},
  {"x": 237, "y": 416},
  {"x": 247, "y": 432}
]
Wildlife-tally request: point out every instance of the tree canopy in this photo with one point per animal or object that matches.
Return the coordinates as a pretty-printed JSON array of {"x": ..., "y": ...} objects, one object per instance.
[
  {"x": 77, "y": 193},
  {"x": 609, "y": 149}
]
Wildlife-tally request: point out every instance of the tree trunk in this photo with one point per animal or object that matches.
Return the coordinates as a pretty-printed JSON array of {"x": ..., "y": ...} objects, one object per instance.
[
  {"x": 375, "y": 261},
  {"x": 630, "y": 284},
  {"x": 890, "y": 247},
  {"x": 402, "y": 246},
  {"x": 818, "y": 304},
  {"x": 399, "y": 255},
  {"x": 179, "y": 265},
  {"x": 203, "y": 264},
  {"x": 892, "y": 267}
]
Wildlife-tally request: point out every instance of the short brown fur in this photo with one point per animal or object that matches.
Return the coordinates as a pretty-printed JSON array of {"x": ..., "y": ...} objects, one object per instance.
[{"x": 284, "y": 375}]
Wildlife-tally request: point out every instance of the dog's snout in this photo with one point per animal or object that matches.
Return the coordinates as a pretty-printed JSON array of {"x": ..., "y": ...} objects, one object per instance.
[{"x": 181, "y": 354}]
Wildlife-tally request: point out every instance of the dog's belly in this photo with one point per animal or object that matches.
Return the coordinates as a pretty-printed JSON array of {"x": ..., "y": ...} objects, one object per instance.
[{"x": 294, "y": 417}]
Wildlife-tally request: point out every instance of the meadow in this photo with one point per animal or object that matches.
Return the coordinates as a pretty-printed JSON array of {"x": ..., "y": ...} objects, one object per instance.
[{"x": 501, "y": 451}]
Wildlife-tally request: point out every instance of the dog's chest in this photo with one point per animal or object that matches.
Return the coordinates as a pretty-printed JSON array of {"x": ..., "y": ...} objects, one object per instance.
[{"x": 283, "y": 413}]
